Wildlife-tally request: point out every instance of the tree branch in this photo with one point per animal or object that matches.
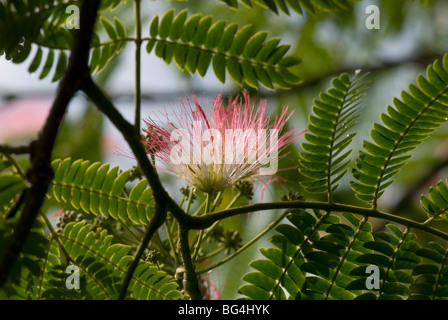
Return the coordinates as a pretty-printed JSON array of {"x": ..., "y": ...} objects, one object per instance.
[
  {"x": 205, "y": 221},
  {"x": 138, "y": 47},
  {"x": 191, "y": 284},
  {"x": 156, "y": 222},
  {"x": 7, "y": 149},
  {"x": 40, "y": 173},
  {"x": 423, "y": 59}
]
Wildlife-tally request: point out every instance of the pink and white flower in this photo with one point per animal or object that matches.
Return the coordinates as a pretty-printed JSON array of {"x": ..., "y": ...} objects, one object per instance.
[{"x": 213, "y": 148}]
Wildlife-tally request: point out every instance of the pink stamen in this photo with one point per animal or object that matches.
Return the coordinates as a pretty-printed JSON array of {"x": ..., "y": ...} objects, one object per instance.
[{"x": 239, "y": 114}]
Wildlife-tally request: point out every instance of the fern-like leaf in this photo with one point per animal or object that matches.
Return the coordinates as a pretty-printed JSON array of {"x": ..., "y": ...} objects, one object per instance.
[
  {"x": 408, "y": 271},
  {"x": 325, "y": 159},
  {"x": 432, "y": 275},
  {"x": 20, "y": 22},
  {"x": 24, "y": 23},
  {"x": 51, "y": 285},
  {"x": 27, "y": 272},
  {"x": 104, "y": 51},
  {"x": 105, "y": 264},
  {"x": 296, "y": 5},
  {"x": 196, "y": 43},
  {"x": 419, "y": 113},
  {"x": 307, "y": 265},
  {"x": 39, "y": 28},
  {"x": 10, "y": 186},
  {"x": 95, "y": 189}
]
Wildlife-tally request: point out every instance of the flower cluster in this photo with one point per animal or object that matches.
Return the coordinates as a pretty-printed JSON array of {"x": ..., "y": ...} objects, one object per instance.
[{"x": 213, "y": 148}]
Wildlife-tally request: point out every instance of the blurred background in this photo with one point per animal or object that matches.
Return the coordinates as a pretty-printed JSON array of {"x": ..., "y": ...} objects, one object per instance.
[{"x": 412, "y": 34}]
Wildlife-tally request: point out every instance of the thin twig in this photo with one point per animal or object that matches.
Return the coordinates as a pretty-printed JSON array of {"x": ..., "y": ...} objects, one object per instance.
[
  {"x": 271, "y": 226},
  {"x": 207, "y": 220},
  {"x": 156, "y": 222},
  {"x": 138, "y": 46},
  {"x": 7, "y": 149}
]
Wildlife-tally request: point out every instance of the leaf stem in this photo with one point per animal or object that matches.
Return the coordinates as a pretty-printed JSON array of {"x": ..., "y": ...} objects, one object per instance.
[
  {"x": 190, "y": 200},
  {"x": 170, "y": 240},
  {"x": 332, "y": 144},
  {"x": 207, "y": 233},
  {"x": 213, "y": 51},
  {"x": 345, "y": 255},
  {"x": 216, "y": 201},
  {"x": 234, "y": 200},
  {"x": 138, "y": 46},
  {"x": 298, "y": 251},
  {"x": 132, "y": 233},
  {"x": 55, "y": 236},
  {"x": 16, "y": 165},
  {"x": 211, "y": 254},
  {"x": 392, "y": 260},
  {"x": 208, "y": 203},
  {"x": 439, "y": 275}
]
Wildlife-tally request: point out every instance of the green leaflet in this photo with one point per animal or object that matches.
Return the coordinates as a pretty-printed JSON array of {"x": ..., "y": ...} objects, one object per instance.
[
  {"x": 21, "y": 25},
  {"x": 192, "y": 43},
  {"x": 196, "y": 42},
  {"x": 324, "y": 159},
  {"x": 96, "y": 189},
  {"x": 29, "y": 278},
  {"x": 417, "y": 114},
  {"x": 10, "y": 186},
  {"x": 105, "y": 264},
  {"x": 43, "y": 23},
  {"x": 51, "y": 285},
  {"x": 57, "y": 59},
  {"x": 307, "y": 264},
  {"x": 296, "y": 5},
  {"x": 436, "y": 205},
  {"x": 103, "y": 52}
]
